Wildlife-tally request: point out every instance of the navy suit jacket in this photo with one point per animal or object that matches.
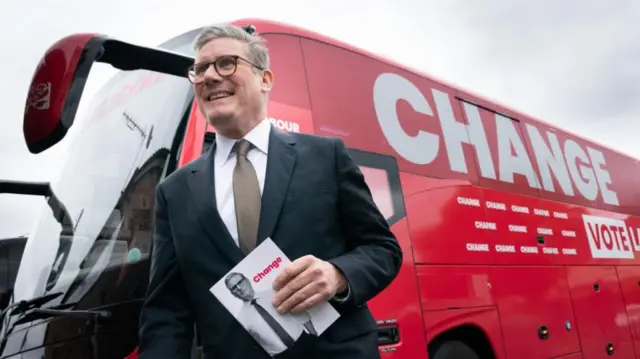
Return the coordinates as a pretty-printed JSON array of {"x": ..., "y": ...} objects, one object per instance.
[{"x": 315, "y": 201}]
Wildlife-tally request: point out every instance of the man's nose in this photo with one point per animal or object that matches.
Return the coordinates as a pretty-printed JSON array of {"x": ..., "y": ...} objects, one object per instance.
[{"x": 211, "y": 75}]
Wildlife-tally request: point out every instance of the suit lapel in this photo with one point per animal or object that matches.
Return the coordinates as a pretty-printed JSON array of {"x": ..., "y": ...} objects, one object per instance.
[
  {"x": 280, "y": 164},
  {"x": 201, "y": 183}
]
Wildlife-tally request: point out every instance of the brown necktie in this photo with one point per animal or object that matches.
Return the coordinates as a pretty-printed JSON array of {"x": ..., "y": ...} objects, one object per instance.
[{"x": 246, "y": 193}]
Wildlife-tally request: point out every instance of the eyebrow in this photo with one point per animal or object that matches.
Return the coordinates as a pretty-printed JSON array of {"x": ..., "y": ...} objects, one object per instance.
[{"x": 217, "y": 57}]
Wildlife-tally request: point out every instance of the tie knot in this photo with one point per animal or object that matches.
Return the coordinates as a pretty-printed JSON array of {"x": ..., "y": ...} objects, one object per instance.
[{"x": 242, "y": 147}]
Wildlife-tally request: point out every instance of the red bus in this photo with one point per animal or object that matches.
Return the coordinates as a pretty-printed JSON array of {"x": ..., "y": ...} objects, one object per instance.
[{"x": 519, "y": 237}]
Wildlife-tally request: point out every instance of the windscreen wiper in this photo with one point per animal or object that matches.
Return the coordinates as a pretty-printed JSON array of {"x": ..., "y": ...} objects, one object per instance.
[
  {"x": 20, "y": 307},
  {"x": 24, "y": 305},
  {"x": 41, "y": 313}
]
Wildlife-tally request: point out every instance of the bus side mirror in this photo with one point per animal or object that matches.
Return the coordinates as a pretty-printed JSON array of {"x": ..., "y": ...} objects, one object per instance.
[
  {"x": 55, "y": 90},
  {"x": 58, "y": 82}
]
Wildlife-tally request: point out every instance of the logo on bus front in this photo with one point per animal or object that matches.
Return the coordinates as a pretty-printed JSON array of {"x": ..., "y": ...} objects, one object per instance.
[{"x": 39, "y": 97}]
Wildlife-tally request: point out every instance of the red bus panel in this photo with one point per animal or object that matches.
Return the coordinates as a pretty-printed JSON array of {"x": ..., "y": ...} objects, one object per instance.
[
  {"x": 530, "y": 300},
  {"x": 629, "y": 278},
  {"x": 600, "y": 312}
]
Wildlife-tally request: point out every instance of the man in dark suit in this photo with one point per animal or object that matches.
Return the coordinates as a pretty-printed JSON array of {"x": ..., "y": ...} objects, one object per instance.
[{"x": 302, "y": 191}]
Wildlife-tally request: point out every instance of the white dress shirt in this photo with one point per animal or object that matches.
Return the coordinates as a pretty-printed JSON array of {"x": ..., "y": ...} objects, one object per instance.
[{"x": 225, "y": 162}]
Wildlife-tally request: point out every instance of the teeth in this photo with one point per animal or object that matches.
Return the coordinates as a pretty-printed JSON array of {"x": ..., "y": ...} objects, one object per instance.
[{"x": 217, "y": 95}]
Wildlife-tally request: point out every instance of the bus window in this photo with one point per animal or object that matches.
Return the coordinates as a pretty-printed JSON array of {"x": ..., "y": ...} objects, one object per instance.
[{"x": 382, "y": 177}]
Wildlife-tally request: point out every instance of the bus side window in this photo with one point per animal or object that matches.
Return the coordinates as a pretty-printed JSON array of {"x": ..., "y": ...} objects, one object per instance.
[{"x": 383, "y": 178}]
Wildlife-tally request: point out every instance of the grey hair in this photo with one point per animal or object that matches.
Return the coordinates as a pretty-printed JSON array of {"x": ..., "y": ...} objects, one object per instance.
[
  {"x": 233, "y": 275},
  {"x": 258, "y": 52}
]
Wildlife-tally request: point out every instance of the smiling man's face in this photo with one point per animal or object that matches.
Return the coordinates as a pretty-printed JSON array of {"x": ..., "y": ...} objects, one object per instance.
[{"x": 234, "y": 95}]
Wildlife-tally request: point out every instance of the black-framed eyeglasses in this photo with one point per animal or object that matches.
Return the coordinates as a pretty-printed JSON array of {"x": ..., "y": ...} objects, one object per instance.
[{"x": 225, "y": 66}]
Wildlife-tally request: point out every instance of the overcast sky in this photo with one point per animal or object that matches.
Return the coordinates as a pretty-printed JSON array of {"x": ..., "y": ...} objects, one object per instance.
[{"x": 573, "y": 63}]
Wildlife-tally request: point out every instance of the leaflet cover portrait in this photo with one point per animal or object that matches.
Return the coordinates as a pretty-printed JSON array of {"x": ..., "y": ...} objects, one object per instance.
[{"x": 247, "y": 293}]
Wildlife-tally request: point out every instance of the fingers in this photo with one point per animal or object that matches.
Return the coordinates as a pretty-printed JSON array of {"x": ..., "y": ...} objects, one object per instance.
[
  {"x": 306, "y": 290},
  {"x": 295, "y": 285},
  {"x": 291, "y": 271},
  {"x": 308, "y": 303},
  {"x": 305, "y": 298}
]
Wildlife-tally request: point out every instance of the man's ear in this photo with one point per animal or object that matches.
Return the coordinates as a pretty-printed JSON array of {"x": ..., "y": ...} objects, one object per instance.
[{"x": 267, "y": 81}]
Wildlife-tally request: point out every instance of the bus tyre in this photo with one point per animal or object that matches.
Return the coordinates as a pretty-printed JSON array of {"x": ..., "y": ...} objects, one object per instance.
[{"x": 454, "y": 350}]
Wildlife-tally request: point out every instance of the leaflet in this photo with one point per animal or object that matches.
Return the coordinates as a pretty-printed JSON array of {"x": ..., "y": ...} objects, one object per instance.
[{"x": 247, "y": 293}]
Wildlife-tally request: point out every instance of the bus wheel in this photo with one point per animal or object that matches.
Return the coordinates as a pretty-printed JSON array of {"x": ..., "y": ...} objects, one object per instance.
[{"x": 454, "y": 349}]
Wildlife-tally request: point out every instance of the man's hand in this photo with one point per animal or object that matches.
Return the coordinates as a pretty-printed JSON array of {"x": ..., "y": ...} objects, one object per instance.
[{"x": 306, "y": 282}]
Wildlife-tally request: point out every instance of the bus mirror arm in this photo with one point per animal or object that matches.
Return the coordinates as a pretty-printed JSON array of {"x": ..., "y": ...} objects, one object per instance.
[
  {"x": 125, "y": 56},
  {"x": 43, "y": 189}
]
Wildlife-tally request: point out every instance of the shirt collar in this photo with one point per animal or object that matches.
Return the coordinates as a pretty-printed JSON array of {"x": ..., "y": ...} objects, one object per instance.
[{"x": 258, "y": 136}]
